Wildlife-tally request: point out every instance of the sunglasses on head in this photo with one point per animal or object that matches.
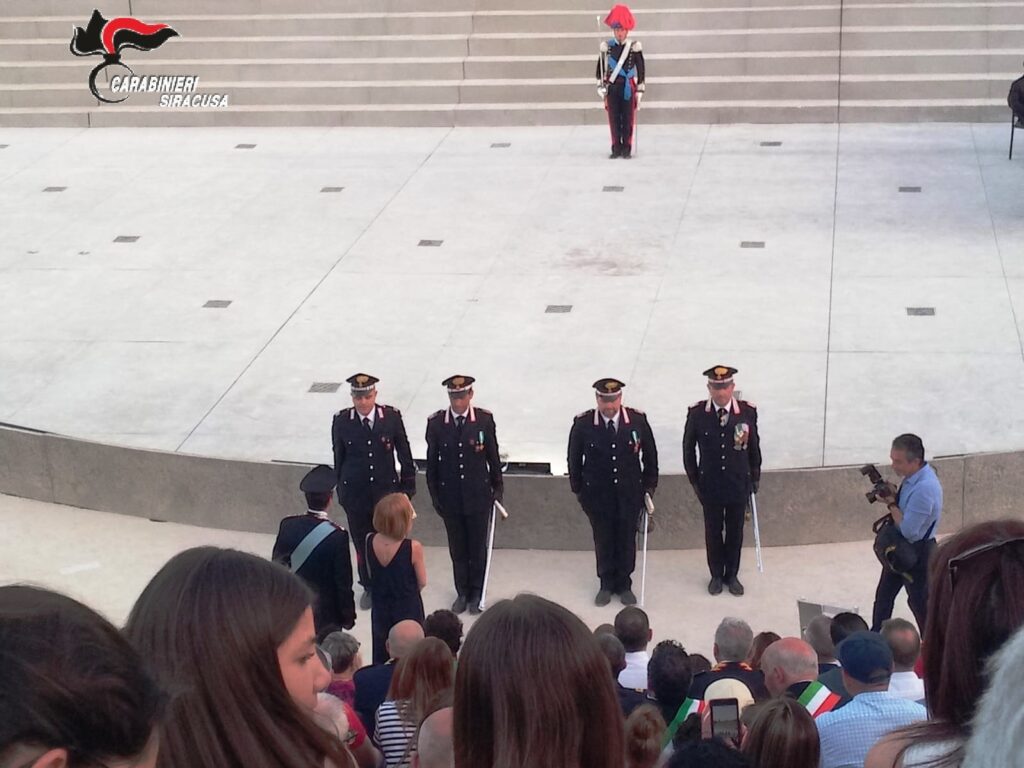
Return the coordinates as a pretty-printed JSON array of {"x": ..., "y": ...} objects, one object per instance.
[{"x": 956, "y": 563}]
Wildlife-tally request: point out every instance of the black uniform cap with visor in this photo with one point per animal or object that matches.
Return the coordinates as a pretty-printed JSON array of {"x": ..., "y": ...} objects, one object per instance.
[
  {"x": 608, "y": 389},
  {"x": 720, "y": 376}
]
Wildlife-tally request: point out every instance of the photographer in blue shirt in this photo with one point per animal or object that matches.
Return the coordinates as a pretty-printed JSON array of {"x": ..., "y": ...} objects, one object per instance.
[{"x": 916, "y": 507}]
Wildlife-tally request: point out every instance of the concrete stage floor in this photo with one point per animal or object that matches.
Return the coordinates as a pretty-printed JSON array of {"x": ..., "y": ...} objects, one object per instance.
[
  {"x": 105, "y": 560},
  {"x": 808, "y": 256}
]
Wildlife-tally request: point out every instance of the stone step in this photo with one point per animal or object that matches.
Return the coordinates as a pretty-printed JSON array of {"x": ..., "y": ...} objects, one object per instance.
[
  {"x": 674, "y": 89},
  {"x": 932, "y": 61},
  {"x": 155, "y": 11},
  {"x": 725, "y": 88},
  {"x": 491, "y": 62},
  {"x": 151, "y": 10},
  {"x": 587, "y": 7},
  {"x": 505, "y": 44},
  {"x": 752, "y": 111},
  {"x": 465, "y": 23},
  {"x": 536, "y": 67},
  {"x": 498, "y": 44},
  {"x": 569, "y": 21},
  {"x": 951, "y": 38}
]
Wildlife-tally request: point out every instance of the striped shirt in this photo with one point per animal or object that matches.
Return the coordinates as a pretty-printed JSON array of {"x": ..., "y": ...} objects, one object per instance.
[{"x": 394, "y": 736}]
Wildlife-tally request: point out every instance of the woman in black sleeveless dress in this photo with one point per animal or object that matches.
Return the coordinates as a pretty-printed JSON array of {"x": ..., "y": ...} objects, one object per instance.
[{"x": 399, "y": 579}]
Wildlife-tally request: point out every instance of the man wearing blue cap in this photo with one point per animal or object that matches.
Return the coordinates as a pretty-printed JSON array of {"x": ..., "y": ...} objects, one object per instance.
[
  {"x": 847, "y": 734},
  {"x": 315, "y": 548}
]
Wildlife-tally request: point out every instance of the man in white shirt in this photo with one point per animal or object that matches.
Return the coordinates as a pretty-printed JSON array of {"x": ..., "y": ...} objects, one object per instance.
[
  {"x": 633, "y": 629},
  {"x": 905, "y": 642}
]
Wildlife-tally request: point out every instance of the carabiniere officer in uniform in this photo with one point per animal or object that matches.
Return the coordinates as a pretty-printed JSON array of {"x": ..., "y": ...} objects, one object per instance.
[
  {"x": 613, "y": 461},
  {"x": 464, "y": 479},
  {"x": 724, "y": 429},
  {"x": 367, "y": 438},
  {"x": 315, "y": 548}
]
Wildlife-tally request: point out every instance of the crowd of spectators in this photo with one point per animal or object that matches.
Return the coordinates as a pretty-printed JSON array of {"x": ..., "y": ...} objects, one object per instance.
[{"x": 219, "y": 664}]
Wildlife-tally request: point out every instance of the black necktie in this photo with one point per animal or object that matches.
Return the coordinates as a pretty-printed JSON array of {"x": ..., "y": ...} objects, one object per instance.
[
  {"x": 611, "y": 428},
  {"x": 366, "y": 423},
  {"x": 722, "y": 415},
  {"x": 460, "y": 420}
]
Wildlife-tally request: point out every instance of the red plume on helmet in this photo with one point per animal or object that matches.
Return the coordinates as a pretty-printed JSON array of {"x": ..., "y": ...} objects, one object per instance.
[{"x": 620, "y": 16}]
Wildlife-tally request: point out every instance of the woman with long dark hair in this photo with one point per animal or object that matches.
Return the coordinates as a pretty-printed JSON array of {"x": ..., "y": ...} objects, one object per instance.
[
  {"x": 231, "y": 638},
  {"x": 533, "y": 689},
  {"x": 975, "y": 603},
  {"x": 73, "y": 692},
  {"x": 782, "y": 735}
]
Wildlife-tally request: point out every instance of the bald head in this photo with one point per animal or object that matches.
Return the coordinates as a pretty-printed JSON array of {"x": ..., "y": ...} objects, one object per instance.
[
  {"x": 786, "y": 662},
  {"x": 403, "y": 638},
  {"x": 434, "y": 747}
]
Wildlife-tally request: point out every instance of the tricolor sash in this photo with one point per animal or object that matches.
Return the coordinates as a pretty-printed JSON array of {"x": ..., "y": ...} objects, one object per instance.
[
  {"x": 687, "y": 708},
  {"x": 818, "y": 699}
]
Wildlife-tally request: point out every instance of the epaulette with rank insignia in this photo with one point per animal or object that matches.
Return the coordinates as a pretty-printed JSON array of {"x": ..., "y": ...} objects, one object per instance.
[
  {"x": 698, "y": 404},
  {"x": 748, "y": 404},
  {"x": 636, "y": 410},
  {"x": 436, "y": 414},
  {"x": 637, "y": 47},
  {"x": 482, "y": 410},
  {"x": 582, "y": 414}
]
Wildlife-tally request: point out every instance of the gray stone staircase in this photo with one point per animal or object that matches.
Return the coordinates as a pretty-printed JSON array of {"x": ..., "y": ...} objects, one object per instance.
[{"x": 524, "y": 62}]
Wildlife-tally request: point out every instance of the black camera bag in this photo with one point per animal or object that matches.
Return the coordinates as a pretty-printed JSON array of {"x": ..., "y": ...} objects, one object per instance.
[{"x": 892, "y": 549}]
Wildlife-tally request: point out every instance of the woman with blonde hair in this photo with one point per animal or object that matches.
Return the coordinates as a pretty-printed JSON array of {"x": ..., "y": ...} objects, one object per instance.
[
  {"x": 397, "y": 568},
  {"x": 645, "y": 728}
]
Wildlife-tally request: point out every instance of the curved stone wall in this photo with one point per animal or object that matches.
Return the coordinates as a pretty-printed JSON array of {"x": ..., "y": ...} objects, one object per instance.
[{"x": 800, "y": 506}]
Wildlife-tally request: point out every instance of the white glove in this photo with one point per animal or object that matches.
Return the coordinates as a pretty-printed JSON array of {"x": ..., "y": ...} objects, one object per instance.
[
  {"x": 639, "y": 98},
  {"x": 602, "y": 91}
]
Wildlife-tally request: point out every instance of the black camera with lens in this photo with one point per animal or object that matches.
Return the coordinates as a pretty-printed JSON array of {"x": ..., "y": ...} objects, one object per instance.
[{"x": 880, "y": 489}]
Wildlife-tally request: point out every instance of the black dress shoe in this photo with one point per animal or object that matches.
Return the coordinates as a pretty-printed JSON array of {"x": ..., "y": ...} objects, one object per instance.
[
  {"x": 603, "y": 597},
  {"x": 627, "y": 597},
  {"x": 474, "y": 607},
  {"x": 735, "y": 587},
  {"x": 715, "y": 586},
  {"x": 627, "y": 153},
  {"x": 459, "y": 606},
  {"x": 616, "y": 152},
  {"x": 366, "y": 601}
]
